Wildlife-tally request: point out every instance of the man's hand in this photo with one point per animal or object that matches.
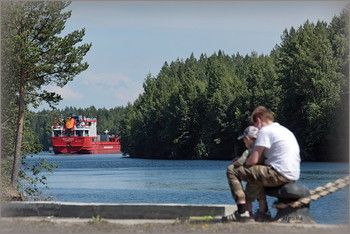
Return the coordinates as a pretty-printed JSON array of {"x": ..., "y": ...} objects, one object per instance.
[
  {"x": 235, "y": 162},
  {"x": 255, "y": 157}
]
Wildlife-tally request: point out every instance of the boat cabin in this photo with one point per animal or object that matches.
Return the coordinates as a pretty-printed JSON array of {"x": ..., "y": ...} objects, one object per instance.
[{"x": 82, "y": 127}]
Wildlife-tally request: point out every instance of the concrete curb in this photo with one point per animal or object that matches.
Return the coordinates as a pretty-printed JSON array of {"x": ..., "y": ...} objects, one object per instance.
[{"x": 112, "y": 210}]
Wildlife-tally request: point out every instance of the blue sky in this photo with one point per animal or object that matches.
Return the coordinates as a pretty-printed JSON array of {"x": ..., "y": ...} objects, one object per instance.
[{"x": 131, "y": 39}]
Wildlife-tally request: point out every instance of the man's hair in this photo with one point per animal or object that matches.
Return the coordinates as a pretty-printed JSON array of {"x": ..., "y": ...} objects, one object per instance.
[{"x": 262, "y": 113}]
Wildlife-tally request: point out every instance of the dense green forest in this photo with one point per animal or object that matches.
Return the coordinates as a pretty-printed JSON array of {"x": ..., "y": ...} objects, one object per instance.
[{"x": 195, "y": 108}]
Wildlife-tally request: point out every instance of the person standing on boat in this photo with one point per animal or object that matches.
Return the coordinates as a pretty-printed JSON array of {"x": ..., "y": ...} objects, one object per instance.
[
  {"x": 281, "y": 153},
  {"x": 70, "y": 125}
]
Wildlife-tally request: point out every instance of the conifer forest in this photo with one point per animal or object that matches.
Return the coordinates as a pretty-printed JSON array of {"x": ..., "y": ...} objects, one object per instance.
[{"x": 195, "y": 108}]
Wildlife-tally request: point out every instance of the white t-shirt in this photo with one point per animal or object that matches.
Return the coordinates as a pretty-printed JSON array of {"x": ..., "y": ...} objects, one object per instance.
[{"x": 282, "y": 150}]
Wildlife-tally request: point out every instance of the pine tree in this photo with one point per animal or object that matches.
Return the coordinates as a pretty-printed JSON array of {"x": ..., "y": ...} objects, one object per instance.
[
  {"x": 34, "y": 55},
  {"x": 310, "y": 81}
]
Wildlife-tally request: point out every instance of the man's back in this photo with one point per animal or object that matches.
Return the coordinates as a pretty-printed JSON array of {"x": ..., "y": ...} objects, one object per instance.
[{"x": 281, "y": 150}]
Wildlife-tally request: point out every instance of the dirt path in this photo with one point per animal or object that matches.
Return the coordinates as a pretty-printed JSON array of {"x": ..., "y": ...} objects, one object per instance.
[{"x": 60, "y": 225}]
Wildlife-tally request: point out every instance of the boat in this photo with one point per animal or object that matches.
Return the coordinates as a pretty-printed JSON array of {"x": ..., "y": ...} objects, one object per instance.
[{"x": 78, "y": 135}]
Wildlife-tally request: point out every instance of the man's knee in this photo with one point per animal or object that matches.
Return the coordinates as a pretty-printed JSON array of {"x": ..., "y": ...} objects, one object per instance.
[{"x": 229, "y": 170}]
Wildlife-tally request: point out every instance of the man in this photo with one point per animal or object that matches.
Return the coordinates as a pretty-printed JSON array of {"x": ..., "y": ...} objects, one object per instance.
[
  {"x": 280, "y": 150},
  {"x": 69, "y": 125}
]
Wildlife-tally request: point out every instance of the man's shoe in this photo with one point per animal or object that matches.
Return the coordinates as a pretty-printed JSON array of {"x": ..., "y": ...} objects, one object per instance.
[
  {"x": 237, "y": 217},
  {"x": 262, "y": 217}
]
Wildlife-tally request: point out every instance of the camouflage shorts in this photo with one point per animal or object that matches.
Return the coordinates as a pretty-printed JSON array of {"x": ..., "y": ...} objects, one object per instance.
[
  {"x": 257, "y": 177},
  {"x": 254, "y": 191}
]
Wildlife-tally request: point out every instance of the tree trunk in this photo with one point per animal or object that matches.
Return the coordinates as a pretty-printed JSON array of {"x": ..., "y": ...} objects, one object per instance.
[{"x": 20, "y": 125}]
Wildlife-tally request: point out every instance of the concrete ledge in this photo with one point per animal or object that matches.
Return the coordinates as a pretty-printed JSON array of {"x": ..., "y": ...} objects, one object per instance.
[{"x": 113, "y": 210}]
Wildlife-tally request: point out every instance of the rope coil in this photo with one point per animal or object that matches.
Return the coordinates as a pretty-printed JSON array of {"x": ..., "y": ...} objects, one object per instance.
[{"x": 316, "y": 193}]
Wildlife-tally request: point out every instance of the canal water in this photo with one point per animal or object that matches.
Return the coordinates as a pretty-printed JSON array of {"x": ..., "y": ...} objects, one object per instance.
[{"x": 118, "y": 179}]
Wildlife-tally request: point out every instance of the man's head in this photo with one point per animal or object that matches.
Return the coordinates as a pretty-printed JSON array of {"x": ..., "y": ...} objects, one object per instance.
[{"x": 261, "y": 117}]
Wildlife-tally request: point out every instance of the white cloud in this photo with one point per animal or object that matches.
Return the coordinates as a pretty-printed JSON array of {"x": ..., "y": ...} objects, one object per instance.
[
  {"x": 66, "y": 92},
  {"x": 106, "y": 79},
  {"x": 97, "y": 89},
  {"x": 105, "y": 89},
  {"x": 117, "y": 87}
]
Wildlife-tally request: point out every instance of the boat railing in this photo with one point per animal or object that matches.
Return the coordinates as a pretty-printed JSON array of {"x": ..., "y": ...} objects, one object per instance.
[{"x": 82, "y": 127}]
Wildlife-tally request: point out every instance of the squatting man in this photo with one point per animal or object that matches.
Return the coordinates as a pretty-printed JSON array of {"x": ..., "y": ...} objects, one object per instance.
[{"x": 278, "y": 148}]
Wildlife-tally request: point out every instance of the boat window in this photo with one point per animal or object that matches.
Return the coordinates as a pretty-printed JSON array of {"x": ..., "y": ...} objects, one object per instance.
[
  {"x": 86, "y": 132},
  {"x": 57, "y": 133},
  {"x": 79, "y": 133}
]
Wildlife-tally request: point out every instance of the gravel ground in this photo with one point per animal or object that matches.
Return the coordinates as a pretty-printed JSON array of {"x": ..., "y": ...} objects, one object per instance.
[{"x": 74, "y": 225}]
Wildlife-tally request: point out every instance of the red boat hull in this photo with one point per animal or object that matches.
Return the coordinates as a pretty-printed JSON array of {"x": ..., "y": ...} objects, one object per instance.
[{"x": 84, "y": 145}]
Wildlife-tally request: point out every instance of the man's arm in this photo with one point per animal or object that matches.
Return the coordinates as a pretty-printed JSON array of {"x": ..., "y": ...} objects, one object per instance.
[{"x": 254, "y": 157}]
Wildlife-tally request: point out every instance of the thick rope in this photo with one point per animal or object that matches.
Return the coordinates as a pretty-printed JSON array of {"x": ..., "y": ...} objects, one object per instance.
[{"x": 316, "y": 193}]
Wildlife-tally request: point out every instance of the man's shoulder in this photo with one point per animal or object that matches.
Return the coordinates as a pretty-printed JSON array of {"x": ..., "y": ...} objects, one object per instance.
[{"x": 271, "y": 127}]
